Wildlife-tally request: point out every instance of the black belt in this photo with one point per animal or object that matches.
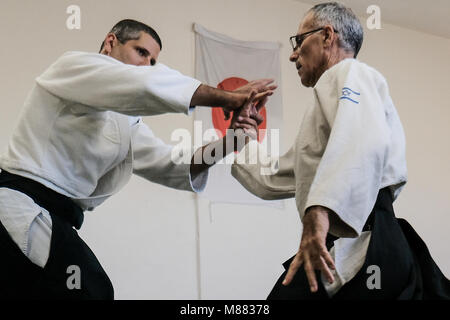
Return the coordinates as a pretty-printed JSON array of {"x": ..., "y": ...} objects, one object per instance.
[
  {"x": 52, "y": 201},
  {"x": 384, "y": 201}
]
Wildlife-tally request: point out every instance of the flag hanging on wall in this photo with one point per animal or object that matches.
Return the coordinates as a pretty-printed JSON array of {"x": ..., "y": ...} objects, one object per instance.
[{"x": 227, "y": 63}]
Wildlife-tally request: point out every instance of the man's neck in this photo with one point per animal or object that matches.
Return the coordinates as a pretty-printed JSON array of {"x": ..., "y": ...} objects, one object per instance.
[{"x": 338, "y": 55}]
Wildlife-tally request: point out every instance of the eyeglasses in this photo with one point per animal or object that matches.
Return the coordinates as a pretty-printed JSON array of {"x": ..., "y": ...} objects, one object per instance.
[{"x": 297, "y": 40}]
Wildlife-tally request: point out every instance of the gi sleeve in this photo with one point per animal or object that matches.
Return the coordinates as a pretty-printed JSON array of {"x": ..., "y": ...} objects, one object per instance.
[
  {"x": 267, "y": 178},
  {"x": 104, "y": 83},
  {"x": 350, "y": 171},
  {"x": 164, "y": 164}
]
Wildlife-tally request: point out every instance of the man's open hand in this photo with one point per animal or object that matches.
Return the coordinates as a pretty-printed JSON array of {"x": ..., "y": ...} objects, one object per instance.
[{"x": 313, "y": 252}]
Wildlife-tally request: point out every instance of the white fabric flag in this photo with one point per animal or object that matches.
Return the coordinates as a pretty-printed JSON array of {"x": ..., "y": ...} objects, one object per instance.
[{"x": 228, "y": 63}]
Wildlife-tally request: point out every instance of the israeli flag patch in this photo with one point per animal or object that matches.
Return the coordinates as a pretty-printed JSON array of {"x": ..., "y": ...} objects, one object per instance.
[{"x": 349, "y": 94}]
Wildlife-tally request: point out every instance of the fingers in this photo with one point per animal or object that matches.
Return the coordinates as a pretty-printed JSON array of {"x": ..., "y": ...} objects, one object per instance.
[
  {"x": 326, "y": 271},
  {"x": 258, "y": 118},
  {"x": 227, "y": 114},
  {"x": 247, "y": 120},
  {"x": 244, "y": 108},
  {"x": 261, "y": 103},
  {"x": 252, "y": 97},
  {"x": 261, "y": 100},
  {"x": 312, "y": 259},
  {"x": 249, "y": 131},
  {"x": 252, "y": 105},
  {"x": 262, "y": 95},
  {"x": 265, "y": 81},
  {"x": 310, "y": 274},
  {"x": 327, "y": 263},
  {"x": 293, "y": 268},
  {"x": 324, "y": 263},
  {"x": 249, "y": 126},
  {"x": 246, "y": 111},
  {"x": 309, "y": 271},
  {"x": 248, "y": 103},
  {"x": 320, "y": 260},
  {"x": 328, "y": 259},
  {"x": 243, "y": 126},
  {"x": 260, "y": 84},
  {"x": 263, "y": 85}
]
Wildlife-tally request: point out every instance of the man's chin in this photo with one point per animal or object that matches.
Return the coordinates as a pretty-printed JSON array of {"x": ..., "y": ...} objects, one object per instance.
[{"x": 305, "y": 82}]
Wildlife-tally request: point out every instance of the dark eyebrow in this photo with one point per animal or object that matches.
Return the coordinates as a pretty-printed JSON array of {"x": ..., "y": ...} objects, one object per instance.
[{"x": 146, "y": 53}]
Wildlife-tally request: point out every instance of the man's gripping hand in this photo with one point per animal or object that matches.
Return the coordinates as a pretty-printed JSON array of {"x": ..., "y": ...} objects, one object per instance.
[
  {"x": 262, "y": 87},
  {"x": 232, "y": 100},
  {"x": 248, "y": 117}
]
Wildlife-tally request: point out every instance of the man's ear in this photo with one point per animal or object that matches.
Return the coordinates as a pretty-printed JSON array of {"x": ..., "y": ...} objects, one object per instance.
[
  {"x": 110, "y": 42},
  {"x": 328, "y": 35}
]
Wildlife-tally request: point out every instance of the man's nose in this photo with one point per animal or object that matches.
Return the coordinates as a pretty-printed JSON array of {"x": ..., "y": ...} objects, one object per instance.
[
  {"x": 145, "y": 61},
  {"x": 294, "y": 56}
]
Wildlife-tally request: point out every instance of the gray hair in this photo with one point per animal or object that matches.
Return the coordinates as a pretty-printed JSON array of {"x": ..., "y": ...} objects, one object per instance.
[{"x": 343, "y": 20}]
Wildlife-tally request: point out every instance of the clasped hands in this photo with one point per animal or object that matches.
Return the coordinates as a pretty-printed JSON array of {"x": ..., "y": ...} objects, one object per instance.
[{"x": 247, "y": 117}]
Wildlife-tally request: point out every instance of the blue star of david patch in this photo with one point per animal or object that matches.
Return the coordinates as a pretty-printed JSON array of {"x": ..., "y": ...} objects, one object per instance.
[{"x": 349, "y": 94}]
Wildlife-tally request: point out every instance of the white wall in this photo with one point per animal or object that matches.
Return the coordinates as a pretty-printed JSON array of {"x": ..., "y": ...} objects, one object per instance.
[{"x": 146, "y": 236}]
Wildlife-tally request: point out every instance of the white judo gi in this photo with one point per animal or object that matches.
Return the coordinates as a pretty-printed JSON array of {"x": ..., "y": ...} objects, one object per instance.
[
  {"x": 80, "y": 136},
  {"x": 350, "y": 145}
]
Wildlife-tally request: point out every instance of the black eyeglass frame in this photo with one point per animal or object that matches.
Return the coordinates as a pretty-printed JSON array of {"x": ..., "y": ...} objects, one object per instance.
[{"x": 297, "y": 40}]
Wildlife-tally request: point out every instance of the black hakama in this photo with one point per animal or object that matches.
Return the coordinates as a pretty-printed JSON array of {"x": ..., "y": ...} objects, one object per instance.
[
  {"x": 22, "y": 279},
  {"x": 407, "y": 270}
]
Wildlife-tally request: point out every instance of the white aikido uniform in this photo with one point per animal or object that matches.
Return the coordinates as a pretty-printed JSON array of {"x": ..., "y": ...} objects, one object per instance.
[
  {"x": 80, "y": 135},
  {"x": 350, "y": 145}
]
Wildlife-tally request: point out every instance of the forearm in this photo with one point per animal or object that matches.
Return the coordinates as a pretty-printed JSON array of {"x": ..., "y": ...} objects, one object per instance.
[
  {"x": 317, "y": 220},
  {"x": 208, "y": 155},
  {"x": 209, "y": 96}
]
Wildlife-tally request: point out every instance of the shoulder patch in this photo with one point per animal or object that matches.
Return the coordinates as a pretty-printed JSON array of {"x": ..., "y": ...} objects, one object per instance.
[{"x": 349, "y": 94}]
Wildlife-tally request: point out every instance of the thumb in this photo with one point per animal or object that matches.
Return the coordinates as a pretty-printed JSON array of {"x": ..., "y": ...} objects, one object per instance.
[{"x": 261, "y": 103}]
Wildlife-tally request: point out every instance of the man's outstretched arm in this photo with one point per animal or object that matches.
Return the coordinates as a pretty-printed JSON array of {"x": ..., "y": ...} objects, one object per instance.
[{"x": 231, "y": 100}]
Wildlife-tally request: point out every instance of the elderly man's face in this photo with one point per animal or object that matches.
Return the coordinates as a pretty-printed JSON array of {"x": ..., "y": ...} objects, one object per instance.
[
  {"x": 311, "y": 57},
  {"x": 141, "y": 52}
]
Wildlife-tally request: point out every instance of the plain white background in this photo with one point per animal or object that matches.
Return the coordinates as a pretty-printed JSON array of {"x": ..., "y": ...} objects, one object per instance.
[{"x": 157, "y": 243}]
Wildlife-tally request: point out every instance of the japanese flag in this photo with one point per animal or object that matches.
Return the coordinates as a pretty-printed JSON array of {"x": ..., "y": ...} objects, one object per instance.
[{"x": 227, "y": 64}]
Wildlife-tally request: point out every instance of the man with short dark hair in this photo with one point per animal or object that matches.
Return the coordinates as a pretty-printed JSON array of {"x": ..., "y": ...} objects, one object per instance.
[
  {"x": 78, "y": 141},
  {"x": 129, "y": 29},
  {"x": 345, "y": 169}
]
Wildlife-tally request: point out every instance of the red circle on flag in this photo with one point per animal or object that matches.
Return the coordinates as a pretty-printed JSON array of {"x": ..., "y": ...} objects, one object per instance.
[{"x": 218, "y": 117}]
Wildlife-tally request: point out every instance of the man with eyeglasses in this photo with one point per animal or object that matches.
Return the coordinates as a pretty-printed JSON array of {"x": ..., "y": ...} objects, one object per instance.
[{"x": 345, "y": 169}]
